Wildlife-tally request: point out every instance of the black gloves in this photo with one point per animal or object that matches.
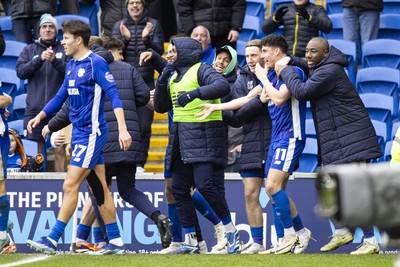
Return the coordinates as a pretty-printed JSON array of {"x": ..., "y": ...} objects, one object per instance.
[
  {"x": 187, "y": 97},
  {"x": 302, "y": 11},
  {"x": 168, "y": 69},
  {"x": 282, "y": 9}
]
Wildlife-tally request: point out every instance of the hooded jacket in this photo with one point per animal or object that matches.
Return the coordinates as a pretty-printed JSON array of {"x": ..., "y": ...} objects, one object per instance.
[
  {"x": 344, "y": 130},
  {"x": 133, "y": 93},
  {"x": 29, "y": 8},
  {"x": 197, "y": 141},
  {"x": 296, "y": 30}
]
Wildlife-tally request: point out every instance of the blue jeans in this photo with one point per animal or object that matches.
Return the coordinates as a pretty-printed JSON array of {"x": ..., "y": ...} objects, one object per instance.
[
  {"x": 25, "y": 30},
  {"x": 360, "y": 26}
]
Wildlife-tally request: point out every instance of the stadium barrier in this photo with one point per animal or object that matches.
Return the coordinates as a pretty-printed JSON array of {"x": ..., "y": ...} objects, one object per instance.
[{"x": 36, "y": 197}]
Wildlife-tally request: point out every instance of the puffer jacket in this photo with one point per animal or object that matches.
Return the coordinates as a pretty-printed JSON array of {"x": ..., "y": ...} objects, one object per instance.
[
  {"x": 197, "y": 141},
  {"x": 133, "y": 93},
  {"x": 256, "y": 121},
  {"x": 219, "y": 17},
  {"x": 344, "y": 130},
  {"x": 296, "y": 30},
  {"x": 137, "y": 45},
  {"x": 44, "y": 77},
  {"x": 29, "y": 8},
  {"x": 363, "y": 5}
]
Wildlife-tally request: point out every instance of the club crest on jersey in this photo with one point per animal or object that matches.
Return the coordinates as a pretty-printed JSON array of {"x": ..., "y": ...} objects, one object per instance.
[
  {"x": 81, "y": 71},
  {"x": 109, "y": 77},
  {"x": 250, "y": 85}
]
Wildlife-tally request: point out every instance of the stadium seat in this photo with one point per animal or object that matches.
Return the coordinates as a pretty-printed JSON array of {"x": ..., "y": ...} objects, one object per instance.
[
  {"x": 380, "y": 80},
  {"x": 17, "y": 125},
  {"x": 6, "y": 28},
  {"x": 391, "y": 7},
  {"x": 381, "y": 132},
  {"x": 241, "y": 52},
  {"x": 387, "y": 155},
  {"x": 395, "y": 126},
  {"x": 11, "y": 54},
  {"x": 333, "y": 7},
  {"x": 379, "y": 108},
  {"x": 256, "y": 8},
  {"x": 349, "y": 49},
  {"x": 309, "y": 157},
  {"x": 19, "y": 106},
  {"x": 310, "y": 129},
  {"x": 276, "y": 3},
  {"x": 381, "y": 53},
  {"x": 389, "y": 26},
  {"x": 337, "y": 27},
  {"x": 90, "y": 11},
  {"x": 10, "y": 82},
  {"x": 30, "y": 147},
  {"x": 61, "y": 18},
  {"x": 250, "y": 29}
]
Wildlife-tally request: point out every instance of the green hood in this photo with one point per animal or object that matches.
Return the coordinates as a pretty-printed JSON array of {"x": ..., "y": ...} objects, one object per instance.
[{"x": 233, "y": 63}]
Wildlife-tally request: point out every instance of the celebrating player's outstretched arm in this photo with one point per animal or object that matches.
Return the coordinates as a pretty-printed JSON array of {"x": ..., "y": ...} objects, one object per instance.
[{"x": 231, "y": 105}]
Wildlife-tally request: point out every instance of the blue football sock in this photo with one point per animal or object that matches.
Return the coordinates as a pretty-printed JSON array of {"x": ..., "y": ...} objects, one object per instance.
[
  {"x": 201, "y": 204},
  {"x": 278, "y": 224},
  {"x": 257, "y": 234},
  {"x": 112, "y": 231},
  {"x": 282, "y": 207},
  {"x": 368, "y": 232},
  {"x": 83, "y": 232},
  {"x": 98, "y": 235},
  {"x": 297, "y": 223},
  {"x": 57, "y": 230},
  {"x": 175, "y": 224},
  {"x": 4, "y": 211}
]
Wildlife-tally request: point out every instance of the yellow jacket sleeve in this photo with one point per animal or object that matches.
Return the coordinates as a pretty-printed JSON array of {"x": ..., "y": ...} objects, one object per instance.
[{"x": 395, "y": 152}]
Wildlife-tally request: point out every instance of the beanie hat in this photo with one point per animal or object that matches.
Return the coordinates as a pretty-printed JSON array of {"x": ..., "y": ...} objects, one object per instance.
[
  {"x": 47, "y": 18},
  {"x": 127, "y": 1}
]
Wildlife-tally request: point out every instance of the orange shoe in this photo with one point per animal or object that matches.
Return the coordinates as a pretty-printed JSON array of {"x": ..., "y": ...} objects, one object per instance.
[
  {"x": 11, "y": 249},
  {"x": 84, "y": 248}
]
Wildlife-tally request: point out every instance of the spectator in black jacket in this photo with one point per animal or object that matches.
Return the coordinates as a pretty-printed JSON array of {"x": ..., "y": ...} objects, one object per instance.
[
  {"x": 2, "y": 43},
  {"x": 224, "y": 19},
  {"x": 344, "y": 130},
  {"x": 43, "y": 64},
  {"x": 139, "y": 32},
  {"x": 301, "y": 22},
  {"x": 134, "y": 93}
]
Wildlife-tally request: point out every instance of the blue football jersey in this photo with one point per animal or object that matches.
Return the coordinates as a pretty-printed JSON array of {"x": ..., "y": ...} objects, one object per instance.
[
  {"x": 86, "y": 82},
  {"x": 288, "y": 120}
]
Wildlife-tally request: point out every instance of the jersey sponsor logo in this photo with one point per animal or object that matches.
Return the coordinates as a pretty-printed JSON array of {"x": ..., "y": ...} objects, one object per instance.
[
  {"x": 71, "y": 83},
  {"x": 81, "y": 71},
  {"x": 73, "y": 91},
  {"x": 59, "y": 55},
  {"x": 109, "y": 77}
]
